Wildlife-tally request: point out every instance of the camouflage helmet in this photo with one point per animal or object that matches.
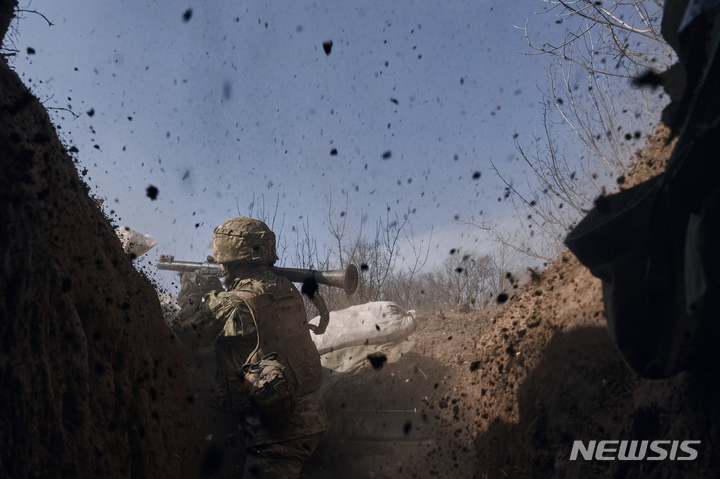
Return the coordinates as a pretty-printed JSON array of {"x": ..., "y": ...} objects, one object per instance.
[{"x": 245, "y": 240}]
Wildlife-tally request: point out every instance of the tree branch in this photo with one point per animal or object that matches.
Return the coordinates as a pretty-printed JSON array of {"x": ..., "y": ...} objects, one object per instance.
[{"x": 50, "y": 24}]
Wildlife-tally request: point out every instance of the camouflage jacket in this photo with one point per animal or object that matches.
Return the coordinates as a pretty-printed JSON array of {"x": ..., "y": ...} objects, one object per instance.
[{"x": 224, "y": 321}]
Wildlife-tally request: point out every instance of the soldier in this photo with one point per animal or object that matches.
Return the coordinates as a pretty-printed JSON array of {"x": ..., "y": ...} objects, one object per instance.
[{"x": 268, "y": 368}]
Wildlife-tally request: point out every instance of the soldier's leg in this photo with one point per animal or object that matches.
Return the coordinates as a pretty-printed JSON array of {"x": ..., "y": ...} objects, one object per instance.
[{"x": 281, "y": 460}]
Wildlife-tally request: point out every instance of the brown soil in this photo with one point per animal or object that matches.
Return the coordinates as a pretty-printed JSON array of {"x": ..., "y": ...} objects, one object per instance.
[
  {"x": 505, "y": 392},
  {"x": 92, "y": 380}
]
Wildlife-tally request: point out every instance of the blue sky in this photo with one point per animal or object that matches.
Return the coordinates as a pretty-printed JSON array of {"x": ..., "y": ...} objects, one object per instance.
[{"x": 241, "y": 102}]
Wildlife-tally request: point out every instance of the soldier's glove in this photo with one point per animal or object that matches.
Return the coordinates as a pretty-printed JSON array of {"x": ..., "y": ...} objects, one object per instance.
[
  {"x": 190, "y": 294},
  {"x": 269, "y": 391},
  {"x": 208, "y": 283}
]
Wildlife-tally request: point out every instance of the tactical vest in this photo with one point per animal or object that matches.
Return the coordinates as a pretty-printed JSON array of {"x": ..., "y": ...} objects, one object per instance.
[{"x": 282, "y": 327}]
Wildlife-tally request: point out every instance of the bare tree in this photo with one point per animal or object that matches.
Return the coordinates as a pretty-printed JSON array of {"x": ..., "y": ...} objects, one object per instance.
[
  {"x": 548, "y": 204},
  {"x": 464, "y": 277},
  {"x": 376, "y": 257},
  {"x": 626, "y": 32},
  {"x": 406, "y": 287},
  {"x": 606, "y": 44},
  {"x": 590, "y": 109},
  {"x": 338, "y": 227},
  {"x": 263, "y": 215},
  {"x": 501, "y": 278}
]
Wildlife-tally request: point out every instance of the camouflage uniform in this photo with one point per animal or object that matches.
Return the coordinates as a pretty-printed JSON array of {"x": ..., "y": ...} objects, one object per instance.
[{"x": 229, "y": 321}]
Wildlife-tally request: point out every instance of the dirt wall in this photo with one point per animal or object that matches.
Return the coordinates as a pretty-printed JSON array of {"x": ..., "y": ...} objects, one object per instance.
[
  {"x": 555, "y": 376},
  {"x": 91, "y": 377},
  {"x": 503, "y": 393}
]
